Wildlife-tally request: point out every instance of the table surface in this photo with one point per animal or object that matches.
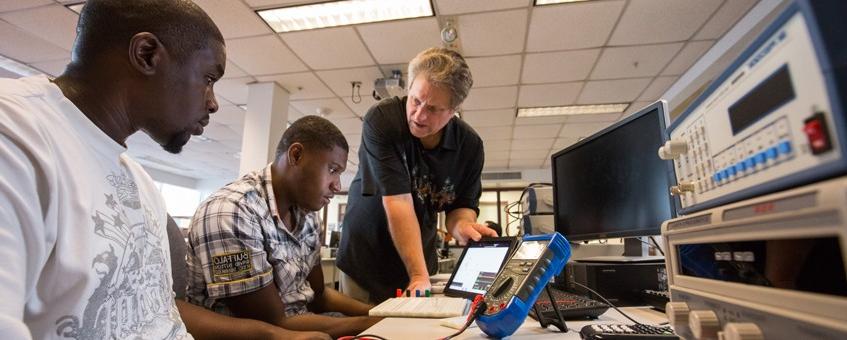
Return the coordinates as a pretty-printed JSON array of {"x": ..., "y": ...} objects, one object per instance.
[{"x": 420, "y": 328}]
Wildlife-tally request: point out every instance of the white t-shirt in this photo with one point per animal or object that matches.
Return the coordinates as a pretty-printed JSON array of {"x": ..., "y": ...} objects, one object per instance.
[{"x": 82, "y": 227}]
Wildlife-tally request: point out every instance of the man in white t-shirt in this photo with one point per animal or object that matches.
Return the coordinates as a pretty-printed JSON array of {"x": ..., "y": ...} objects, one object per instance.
[{"x": 82, "y": 226}]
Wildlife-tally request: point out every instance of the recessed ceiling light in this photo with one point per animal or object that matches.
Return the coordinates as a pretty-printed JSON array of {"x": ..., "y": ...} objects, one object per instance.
[
  {"x": 571, "y": 110},
  {"x": 76, "y": 7},
  {"x": 340, "y": 13},
  {"x": 17, "y": 67},
  {"x": 202, "y": 138},
  {"x": 550, "y": 2}
]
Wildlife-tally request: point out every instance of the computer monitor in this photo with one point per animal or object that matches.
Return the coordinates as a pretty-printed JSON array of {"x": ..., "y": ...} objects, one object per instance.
[{"x": 613, "y": 183}]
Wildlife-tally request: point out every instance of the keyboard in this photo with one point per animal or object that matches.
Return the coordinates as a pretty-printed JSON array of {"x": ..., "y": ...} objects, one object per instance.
[
  {"x": 571, "y": 306},
  {"x": 627, "y": 332},
  {"x": 422, "y": 307}
]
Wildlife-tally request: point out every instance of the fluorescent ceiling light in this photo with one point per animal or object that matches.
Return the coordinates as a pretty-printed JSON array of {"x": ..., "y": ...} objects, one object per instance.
[
  {"x": 550, "y": 2},
  {"x": 76, "y": 7},
  {"x": 340, "y": 13},
  {"x": 571, "y": 110},
  {"x": 18, "y": 68}
]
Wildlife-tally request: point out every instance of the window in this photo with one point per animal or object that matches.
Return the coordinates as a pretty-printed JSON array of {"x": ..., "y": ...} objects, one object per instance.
[{"x": 181, "y": 202}]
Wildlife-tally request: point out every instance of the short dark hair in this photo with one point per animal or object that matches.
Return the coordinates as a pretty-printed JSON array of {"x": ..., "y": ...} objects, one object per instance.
[
  {"x": 312, "y": 131},
  {"x": 181, "y": 26}
]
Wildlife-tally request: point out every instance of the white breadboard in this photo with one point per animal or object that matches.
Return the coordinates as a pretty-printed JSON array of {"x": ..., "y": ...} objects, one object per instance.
[{"x": 422, "y": 307}]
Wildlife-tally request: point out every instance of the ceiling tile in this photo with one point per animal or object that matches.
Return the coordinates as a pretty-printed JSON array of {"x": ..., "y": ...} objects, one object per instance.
[
  {"x": 495, "y": 71},
  {"x": 353, "y": 139},
  {"x": 491, "y": 98},
  {"x": 658, "y": 21},
  {"x": 14, "y": 5},
  {"x": 348, "y": 125},
  {"x": 263, "y": 55},
  {"x": 217, "y": 131},
  {"x": 361, "y": 108},
  {"x": 612, "y": 91},
  {"x": 337, "y": 109},
  {"x": 234, "y": 18},
  {"x": 496, "y": 164},
  {"x": 233, "y": 89},
  {"x": 492, "y": 33},
  {"x": 634, "y": 61},
  {"x": 558, "y": 67},
  {"x": 634, "y": 107},
  {"x": 300, "y": 85},
  {"x": 532, "y": 143},
  {"x": 24, "y": 47},
  {"x": 535, "y": 131},
  {"x": 62, "y": 28},
  {"x": 399, "y": 41},
  {"x": 689, "y": 54},
  {"x": 229, "y": 115},
  {"x": 233, "y": 71},
  {"x": 497, "y": 144},
  {"x": 489, "y": 117},
  {"x": 562, "y": 143},
  {"x": 548, "y": 94},
  {"x": 657, "y": 88},
  {"x": 540, "y": 120},
  {"x": 278, "y": 3},
  {"x": 339, "y": 81},
  {"x": 223, "y": 101},
  {"x": 329, "y": 48},
  {"x": 496, "y": 155},
  {"x": 529, "y": 154},
  {"x": 494, "y": 133},
  {"x": 572, "y": 26},
  {"x": 449, "y": 7},
  {"x": 580, "y": 130},
  {"x": 593, "y": 118},
  {"x": 53, "y": 68},
  {"x": 724, "y": 19}
]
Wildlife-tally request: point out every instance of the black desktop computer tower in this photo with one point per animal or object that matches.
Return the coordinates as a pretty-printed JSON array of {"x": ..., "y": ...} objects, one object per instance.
[{"x": 622, "y": 283}]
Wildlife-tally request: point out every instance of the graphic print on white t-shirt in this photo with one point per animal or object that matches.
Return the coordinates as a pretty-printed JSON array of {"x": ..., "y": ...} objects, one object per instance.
[{"x": 120, "y": 305}]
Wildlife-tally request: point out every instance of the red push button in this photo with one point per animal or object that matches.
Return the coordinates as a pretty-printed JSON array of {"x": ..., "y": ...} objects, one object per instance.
[{"x": 817, "y": 133}]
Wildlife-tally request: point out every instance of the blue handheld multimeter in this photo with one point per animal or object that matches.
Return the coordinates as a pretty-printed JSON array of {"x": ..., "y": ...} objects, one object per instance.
[{"x": 514, "y": 291}]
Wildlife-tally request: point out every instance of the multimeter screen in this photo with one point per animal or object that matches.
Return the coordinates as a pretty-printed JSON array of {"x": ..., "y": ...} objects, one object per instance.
[{"x": 530, "y": 250}]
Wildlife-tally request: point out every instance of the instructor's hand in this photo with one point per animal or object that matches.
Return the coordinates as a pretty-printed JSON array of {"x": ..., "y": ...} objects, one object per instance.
[
  {"x": 465, "y": 231},
  {"x": 419, "y": 283}
]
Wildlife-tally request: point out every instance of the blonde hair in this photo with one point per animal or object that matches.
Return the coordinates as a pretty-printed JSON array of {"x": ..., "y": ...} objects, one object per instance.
[{"x": 444, "y": 68}]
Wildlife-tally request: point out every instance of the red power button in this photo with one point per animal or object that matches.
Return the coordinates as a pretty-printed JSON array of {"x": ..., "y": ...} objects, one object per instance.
[{"x": 817, "y": 133}]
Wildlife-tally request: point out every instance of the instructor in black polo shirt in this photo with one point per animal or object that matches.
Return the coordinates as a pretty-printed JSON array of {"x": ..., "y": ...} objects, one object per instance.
[{"x": 416, "y": 159}]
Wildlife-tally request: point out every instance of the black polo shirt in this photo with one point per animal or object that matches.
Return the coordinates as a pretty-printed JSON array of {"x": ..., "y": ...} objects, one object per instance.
[{"x": 393, "y": 162}]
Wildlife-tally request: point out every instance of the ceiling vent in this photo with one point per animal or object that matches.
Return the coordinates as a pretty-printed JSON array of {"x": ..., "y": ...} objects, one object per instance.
[{"x": 499, "y": 176}]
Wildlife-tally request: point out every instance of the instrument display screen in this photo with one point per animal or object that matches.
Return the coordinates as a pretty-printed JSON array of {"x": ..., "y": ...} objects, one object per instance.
[
  {"x": 775, "y": 91},
  {"x": 530, "y": 250},
  {"x": 803, "y": 264}
]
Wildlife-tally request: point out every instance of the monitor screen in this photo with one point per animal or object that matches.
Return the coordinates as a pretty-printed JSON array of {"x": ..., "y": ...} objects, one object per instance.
[{"x": 613, "y": 183}]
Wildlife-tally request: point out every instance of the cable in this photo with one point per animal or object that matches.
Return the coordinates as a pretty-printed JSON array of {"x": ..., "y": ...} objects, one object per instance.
[
  {"x": 356, "y": 92},
  {"x": 362, "y": 336},
  {"x": 651, "y": 245},
  {"x": 520, "y": 200},
  {"x": 607, "y": 302},
  {"x": 659, "y": 248},
  {"x": 479, "y": 307}
]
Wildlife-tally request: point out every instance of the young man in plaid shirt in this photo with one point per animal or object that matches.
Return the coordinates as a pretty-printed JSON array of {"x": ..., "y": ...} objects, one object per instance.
[{"x": 255, "y": 244}]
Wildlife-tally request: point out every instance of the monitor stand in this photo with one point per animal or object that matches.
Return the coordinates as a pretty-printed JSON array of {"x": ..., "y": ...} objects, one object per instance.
[{"x": 635, "y": 251}]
